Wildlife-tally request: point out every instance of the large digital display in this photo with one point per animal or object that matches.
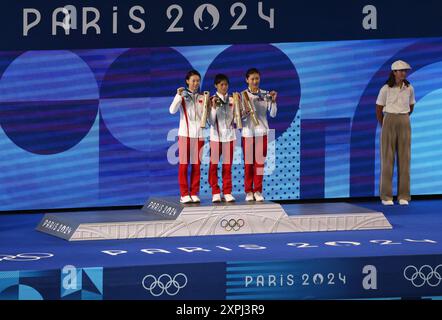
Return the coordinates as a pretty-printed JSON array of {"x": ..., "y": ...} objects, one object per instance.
[{"x": 91, "y": 127}]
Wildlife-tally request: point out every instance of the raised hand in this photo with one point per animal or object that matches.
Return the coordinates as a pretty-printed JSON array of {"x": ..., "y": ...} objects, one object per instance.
[
  {"x": 214, "y": 101},
  {"x": 180, "y": 90}
]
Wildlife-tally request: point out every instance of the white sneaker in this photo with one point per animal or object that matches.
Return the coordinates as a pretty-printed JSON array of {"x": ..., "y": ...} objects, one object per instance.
[
  {"x": 250, "y": 197},
  {"x": 186, "y": 199},
  {"x": 387, "y": 202},
  {"x": 216, "y": 198},
  {"x": 229, "y": 198},
  {"x": 403, "y": 202},
  {"x": 259, "y": 197},
  {"x": 195, "y": 199}
]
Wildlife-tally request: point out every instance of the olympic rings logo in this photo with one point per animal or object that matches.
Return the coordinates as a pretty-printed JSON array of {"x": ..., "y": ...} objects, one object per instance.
[
  {"x": 232, "y": 224},
  {"x": 25, "y": 256},
  {"x": 424, "y": 275},
  {"x": 164, "y": 284}
]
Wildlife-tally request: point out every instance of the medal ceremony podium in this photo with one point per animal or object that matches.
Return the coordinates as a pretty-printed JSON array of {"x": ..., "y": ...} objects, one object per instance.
[{"x": 166, "y": 217}]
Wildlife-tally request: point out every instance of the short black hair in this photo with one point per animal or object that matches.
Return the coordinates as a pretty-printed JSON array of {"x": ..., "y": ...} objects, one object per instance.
[
  {"x": 192, "y": 73},
  {"x": 220, "y": 78},
  {"x": 252, "y": 71}
]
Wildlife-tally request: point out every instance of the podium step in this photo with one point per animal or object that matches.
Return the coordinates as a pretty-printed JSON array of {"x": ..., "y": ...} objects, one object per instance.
[{"x": 169, "y": 218}]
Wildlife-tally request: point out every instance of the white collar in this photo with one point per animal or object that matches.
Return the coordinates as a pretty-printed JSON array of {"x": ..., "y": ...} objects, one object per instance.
[
  {"x": 223, "y": 97},
  {"x": 190, "y": 92},
  {"x": 404, "y": 87},
  {"x": 250, "y": 90}
]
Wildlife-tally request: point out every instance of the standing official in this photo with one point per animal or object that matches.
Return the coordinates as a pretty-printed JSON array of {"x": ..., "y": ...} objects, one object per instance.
[{"x": 394, "y": 106}]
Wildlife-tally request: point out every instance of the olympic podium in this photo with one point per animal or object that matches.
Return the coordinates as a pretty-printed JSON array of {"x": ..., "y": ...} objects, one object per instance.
[{"x": 166, "y": 217}]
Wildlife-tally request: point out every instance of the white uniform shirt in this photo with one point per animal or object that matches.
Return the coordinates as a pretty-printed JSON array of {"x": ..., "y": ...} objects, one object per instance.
[
  {"x": 262, "y": 105},
  {"x": 191, "y": 107},
  {"x": 396, "y": 100},
  {"x": 221, "y": 120}
]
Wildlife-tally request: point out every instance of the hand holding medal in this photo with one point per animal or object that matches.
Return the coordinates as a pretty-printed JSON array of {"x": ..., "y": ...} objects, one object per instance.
[{"x": 273, "y": 94}]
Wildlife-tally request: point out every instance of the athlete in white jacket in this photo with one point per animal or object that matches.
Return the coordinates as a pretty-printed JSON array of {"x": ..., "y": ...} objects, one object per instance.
[
  {"x": 190, "y": 136},
  {"x": 222, "y": 139},
  {"x": 254, "y": 138}
]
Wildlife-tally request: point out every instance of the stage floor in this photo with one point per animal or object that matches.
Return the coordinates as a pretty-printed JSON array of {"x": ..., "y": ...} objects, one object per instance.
[{"x": 402, "y": 262}]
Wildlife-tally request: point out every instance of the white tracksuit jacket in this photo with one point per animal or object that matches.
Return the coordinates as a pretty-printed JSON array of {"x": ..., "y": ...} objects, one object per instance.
[
  {"x": 262, "y": 103},
  {"x": 191, "y": 107},
  {"x": 221, "y": 120}
]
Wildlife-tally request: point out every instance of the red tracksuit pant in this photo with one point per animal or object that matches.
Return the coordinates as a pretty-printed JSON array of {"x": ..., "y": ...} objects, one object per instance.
[
  {"x": 217, "y": 149},
  {"x": 255, "y": 153},
  {"x": 189, "y": 150}
]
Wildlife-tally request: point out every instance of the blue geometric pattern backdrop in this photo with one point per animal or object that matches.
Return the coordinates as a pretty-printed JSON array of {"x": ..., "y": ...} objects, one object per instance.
[{"x": 92, "y": 127}]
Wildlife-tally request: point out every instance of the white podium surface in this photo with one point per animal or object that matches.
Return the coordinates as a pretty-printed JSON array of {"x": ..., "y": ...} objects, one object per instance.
[{"x": 169, "y": 218}]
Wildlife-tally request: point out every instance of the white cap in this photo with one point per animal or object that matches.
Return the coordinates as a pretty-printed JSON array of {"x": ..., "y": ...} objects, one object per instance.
[{"x": 400, "y": 65}]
